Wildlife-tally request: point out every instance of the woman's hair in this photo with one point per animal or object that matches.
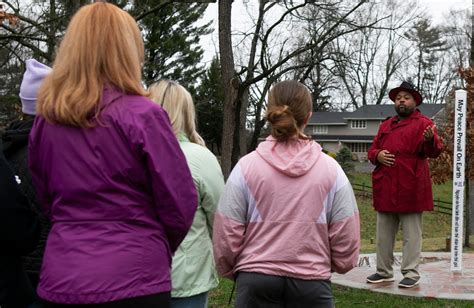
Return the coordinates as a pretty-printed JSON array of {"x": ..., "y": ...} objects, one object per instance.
[
  {"x": 102, "y": 45},
  {"x": 178, "y": 103},
  {"x": 289, "y": 104}
]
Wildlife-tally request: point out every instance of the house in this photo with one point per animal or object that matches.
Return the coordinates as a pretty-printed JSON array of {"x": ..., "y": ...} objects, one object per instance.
[{"x": 357, "y": 129}]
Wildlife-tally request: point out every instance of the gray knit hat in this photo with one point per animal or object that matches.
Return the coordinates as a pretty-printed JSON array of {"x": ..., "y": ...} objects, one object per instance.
[{"x": 32, "y": 79}]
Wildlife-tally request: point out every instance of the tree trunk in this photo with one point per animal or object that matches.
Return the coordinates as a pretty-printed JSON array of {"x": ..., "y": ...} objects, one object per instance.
[
  {"x": 256, "y": 134},
  {"x": 237, "y": 105},
  {"x": 418, "y": 74},
  {"x": 243, "y": 123},
  {"x": 227, "y": 72},
  {"x": 51, "y": 38},
  {"x": 244, "y": 94}
]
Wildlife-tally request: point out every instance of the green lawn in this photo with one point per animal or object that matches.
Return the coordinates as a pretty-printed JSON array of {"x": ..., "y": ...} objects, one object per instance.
[{"x": 436, "y": 227}]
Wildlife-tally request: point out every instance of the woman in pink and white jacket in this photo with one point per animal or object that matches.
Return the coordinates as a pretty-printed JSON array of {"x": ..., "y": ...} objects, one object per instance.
[{"x": 288, "y": 216}]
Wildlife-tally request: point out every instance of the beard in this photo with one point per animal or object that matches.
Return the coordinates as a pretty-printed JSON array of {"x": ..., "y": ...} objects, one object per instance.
[{"x": 404, "y": 111}]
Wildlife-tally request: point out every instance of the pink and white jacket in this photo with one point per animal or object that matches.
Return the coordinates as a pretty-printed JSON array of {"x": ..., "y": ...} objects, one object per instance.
[{"x": 289, "y": 210}]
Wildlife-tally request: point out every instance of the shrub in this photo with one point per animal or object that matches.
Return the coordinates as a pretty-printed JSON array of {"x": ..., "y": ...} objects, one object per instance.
[{"x": 344, "y": 158}]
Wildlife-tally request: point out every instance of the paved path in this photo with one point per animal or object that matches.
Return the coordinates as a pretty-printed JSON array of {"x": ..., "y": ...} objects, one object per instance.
[
  {"x": 363, "y": 167},
  {"x": 437, "y": 280}
]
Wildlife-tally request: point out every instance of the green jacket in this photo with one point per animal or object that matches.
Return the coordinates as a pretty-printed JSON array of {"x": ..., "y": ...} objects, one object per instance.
[{"x": 193, "y": 268}]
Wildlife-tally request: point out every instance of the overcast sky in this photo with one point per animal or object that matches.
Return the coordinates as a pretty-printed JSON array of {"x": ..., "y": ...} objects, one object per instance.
[{"x": 436, "y": 8}]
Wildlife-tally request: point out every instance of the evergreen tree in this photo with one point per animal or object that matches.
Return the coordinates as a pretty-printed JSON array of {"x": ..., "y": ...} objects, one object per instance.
[
  {"x": 344, "y": 158},
  {"x": 169, "y": 29},
  {"x": 428, "y": 41},
  {"x": 171, "y": 36},
  {"x": 209, "y": 107},
  {"x": 11, "y": 73}
]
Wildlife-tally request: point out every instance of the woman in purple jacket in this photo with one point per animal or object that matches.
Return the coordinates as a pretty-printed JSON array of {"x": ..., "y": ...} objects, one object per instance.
[{"x": 108, "y": 171}]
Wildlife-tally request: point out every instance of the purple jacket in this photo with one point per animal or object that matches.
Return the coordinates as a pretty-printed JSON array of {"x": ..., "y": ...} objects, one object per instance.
[{"x": 121, "y": 199}]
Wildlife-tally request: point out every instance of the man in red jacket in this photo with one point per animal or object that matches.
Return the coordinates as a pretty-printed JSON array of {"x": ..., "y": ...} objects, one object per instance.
[{"x": 402, "y": 184}]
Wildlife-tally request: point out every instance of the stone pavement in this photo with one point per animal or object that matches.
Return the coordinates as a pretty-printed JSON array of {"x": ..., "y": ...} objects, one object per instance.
[
  {"x": 437, "y": 280},
  {"x": 363, "y": 167}
]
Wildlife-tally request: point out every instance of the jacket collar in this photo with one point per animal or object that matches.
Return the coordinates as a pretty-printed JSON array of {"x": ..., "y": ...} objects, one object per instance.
[
  {"x": 110, "y": 94},
  {"x": 182, "y": 137}
]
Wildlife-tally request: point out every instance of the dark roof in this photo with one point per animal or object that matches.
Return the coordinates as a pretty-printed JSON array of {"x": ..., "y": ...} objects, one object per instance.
[
  {"x": 327, "y": 117},
  {"x": 342, "y": 138},
  {"x": 368, "y": 112},
  {"x": 381, "y": 112}
]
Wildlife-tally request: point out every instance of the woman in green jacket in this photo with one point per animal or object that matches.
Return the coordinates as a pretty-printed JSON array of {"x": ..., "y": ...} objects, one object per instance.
[{"x": 193, "y": 269}]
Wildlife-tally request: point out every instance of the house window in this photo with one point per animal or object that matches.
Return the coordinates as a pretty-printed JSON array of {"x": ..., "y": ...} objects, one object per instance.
[
  {"x": 358, "y": 124},
  {"x": 359, "y": 147},
  {"x": 320, "y": 129}
]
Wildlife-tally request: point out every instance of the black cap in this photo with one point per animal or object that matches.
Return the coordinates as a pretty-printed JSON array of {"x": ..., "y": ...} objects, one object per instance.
[{"x": 408, "y": 87}]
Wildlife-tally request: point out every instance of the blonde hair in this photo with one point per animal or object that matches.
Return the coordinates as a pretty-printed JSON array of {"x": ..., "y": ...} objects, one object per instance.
[
  {"x": 178, "y": 103},
  {"x": 289, "y": 105},
  {"x": 102, "y": 45}
]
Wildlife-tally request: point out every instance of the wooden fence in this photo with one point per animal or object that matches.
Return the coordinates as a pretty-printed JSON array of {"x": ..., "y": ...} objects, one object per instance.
[{"x": 440, "y": 206}]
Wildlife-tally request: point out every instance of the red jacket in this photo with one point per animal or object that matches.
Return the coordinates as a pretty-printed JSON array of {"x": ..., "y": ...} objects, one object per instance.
[{"x": 404, "y": 187}]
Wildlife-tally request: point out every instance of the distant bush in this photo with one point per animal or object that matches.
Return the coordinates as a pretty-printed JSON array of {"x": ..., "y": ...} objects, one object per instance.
[
  {"x": 332, "y": 154},
  {"x": 10, "y": 109},
  {"x": 344, "y": 158}
]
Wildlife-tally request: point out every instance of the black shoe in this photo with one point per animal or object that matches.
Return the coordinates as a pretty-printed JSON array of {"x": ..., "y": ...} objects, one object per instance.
[
  {"x": 376, "y": 278},
  {"x": 409, "y": 282}
]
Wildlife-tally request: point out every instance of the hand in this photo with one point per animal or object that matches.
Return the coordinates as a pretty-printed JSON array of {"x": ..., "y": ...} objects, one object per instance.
[
  {"x": 428, "y": 133},
  {"x": 385, "y": 158}
]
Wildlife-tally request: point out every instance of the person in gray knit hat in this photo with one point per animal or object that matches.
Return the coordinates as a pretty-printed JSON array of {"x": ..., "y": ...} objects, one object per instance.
[{"x": 14, "y": 145}]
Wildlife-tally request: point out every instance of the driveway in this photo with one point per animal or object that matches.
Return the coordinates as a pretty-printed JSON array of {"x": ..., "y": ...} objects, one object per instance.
[{"x": 363, "y": 167}]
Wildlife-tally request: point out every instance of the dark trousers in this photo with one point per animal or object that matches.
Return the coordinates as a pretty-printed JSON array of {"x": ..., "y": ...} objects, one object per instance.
[
  {"x": 161, "y": 300},
  {"x": 261, "y": 290}
]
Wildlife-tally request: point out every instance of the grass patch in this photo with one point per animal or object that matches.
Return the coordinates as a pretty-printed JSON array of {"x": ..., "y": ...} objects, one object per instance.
[{"x": 219, "y": 297}]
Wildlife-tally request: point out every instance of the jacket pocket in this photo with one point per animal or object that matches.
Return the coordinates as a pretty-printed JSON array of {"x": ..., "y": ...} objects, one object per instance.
[
  {"x": 424, "y": 195},
  {"x": 381, "y": 190},
  {"x": 409, "y": 185}
]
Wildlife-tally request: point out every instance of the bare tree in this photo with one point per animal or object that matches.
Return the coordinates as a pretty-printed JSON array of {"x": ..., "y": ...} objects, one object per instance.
[
  {"x": 230, "y": 83},
  {"x": 457, "y": 31},
  {"x": 39, "y": 28},
  {"x": 260, "y": 65},
  {"x": 367, "y": 60}
]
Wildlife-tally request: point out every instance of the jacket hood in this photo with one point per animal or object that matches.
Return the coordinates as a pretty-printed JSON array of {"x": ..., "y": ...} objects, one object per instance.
[
  {"x": 293, "y": 158},
  {"x": 15, "y": 136}
]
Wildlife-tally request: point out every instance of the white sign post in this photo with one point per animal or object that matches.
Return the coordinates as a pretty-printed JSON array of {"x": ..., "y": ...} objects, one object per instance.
[{"x": 459, "y": 158}]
